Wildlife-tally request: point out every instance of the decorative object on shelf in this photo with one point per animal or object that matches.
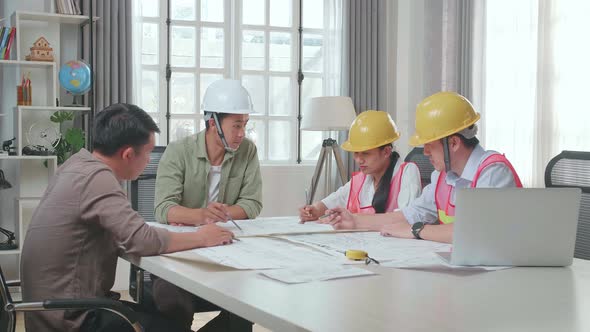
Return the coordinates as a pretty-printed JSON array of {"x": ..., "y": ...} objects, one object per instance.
[
  {"x": 71, "y": 141},
  {"x": 24, "y": 92},
  {"x": 75, "y": 77},
  {"x": 7, "y": 146},
  {"x": 8, "y": 244},
  {"x": 4, "y": 184},
  {"x": 41, "y": 51},
  {"x": 42, "y": 139}
]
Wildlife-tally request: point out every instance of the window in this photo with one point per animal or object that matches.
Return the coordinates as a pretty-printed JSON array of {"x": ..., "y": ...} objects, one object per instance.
[
  {"x": 199, "y": 54},
  {"x": 258, "y": 44},
  {"x": 535, "y": 73}
]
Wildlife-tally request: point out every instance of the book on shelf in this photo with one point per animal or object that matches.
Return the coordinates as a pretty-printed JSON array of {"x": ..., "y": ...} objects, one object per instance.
[
  {"x": 68, "y": 7},
  {"x": 7, "y": 35}
]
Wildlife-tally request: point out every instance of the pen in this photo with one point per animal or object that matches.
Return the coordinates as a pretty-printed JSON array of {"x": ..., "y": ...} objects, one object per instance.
[
  {"x": 326, "y": 215},
  {"x": 233, "y": 222},
  {"x": 307, "y": 197}
]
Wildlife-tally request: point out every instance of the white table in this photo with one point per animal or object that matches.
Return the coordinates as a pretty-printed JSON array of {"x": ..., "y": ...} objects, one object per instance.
[{"x": 518, "y": 299}]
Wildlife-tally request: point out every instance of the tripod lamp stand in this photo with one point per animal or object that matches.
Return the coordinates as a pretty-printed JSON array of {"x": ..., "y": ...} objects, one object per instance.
[{"x": 327, "y": 114}]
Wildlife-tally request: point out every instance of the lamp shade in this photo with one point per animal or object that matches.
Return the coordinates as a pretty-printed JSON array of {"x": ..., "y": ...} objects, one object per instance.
[{"x": 328, "y": 113}]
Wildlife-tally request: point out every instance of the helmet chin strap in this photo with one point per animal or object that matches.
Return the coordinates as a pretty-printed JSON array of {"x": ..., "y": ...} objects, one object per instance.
[
  {"x": 447, "y": 153},
  {"x": 220, "y": 133}
]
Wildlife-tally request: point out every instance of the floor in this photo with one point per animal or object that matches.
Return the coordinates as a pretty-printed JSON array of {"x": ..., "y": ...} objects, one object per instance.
[{"x": 199, "y": 320}]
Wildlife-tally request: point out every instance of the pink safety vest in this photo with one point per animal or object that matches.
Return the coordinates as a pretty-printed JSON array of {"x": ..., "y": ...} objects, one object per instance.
[
  {"x": 356, "y": 184},
  {"x": 443, "y": 191}
]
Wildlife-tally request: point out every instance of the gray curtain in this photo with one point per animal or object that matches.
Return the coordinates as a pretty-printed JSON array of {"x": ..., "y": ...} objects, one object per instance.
[
  {"x": 112, "y": 66},
  {"x": 441, "y": 32},
  {"x": 447, "y": 36},
  {"x": 365, "y": 56}
]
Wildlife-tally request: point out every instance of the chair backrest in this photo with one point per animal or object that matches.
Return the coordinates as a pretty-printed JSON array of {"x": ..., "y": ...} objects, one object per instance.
[
  {"x": 7, "y": 319},
  {"x": 417, "y": 156},
  {"x": 142, "y": 194},
  {"x": 142, "y": 190},
  {"x": 572, "y": 169}
]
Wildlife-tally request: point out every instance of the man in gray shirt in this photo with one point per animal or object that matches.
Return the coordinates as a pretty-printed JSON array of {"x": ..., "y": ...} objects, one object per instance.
[{"x": 84, "y": 221}]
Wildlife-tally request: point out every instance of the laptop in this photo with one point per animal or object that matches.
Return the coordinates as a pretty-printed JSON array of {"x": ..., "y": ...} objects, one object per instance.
[{"x": 515, "y": 226}]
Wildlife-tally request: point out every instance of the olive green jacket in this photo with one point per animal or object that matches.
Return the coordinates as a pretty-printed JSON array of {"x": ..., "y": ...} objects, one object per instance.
[{"x": 183, "y": 172}]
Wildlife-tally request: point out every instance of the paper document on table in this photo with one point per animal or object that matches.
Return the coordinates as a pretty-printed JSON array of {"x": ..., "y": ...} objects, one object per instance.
[
  {"x": 171, "y": 228},
  {"x": 316, "y": 272},
  {"x": 261, "y": 253},
  {"x": 275, "y": 225},
  {"x": 377, "y": 246},
  {"x": 432, "y": 259}
]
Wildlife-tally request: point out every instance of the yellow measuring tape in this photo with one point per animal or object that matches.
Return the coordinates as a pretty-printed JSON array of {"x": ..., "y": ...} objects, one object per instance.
[
  {"x": 359, "y": 255},
  {"x": 356, "y": 255}
]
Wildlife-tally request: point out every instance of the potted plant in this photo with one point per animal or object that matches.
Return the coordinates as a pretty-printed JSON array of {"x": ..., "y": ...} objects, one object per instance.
[{"x": 72, "y": 139}]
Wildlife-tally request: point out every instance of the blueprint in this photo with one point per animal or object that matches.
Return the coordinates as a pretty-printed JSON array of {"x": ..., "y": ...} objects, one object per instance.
[
  {"x": 178, "y": 229},
  {"x": 260, "y": 226},
  {"x": 308, "y": 273},
  {"x": 433, "y": 259},
  {"x": 304, "y": 245},
  {"x": 275, "y": 225},
  {"x": 261, "y": 253},
  {"x": 378, "y": 247}
]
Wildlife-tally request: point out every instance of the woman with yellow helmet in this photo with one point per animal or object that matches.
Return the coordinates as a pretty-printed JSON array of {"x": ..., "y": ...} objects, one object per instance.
[
  {"x": 445, "y": 125},
  {"x": 383, "y": 184}
]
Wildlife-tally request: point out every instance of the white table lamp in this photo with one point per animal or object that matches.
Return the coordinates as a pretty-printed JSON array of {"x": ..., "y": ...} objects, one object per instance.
[{"x": 327, "y": 114}]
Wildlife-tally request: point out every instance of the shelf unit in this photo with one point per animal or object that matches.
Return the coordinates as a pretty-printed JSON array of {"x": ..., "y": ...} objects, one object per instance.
[
  {"x": 26, "y": 116},
  {"x": 30, "y": 175}
]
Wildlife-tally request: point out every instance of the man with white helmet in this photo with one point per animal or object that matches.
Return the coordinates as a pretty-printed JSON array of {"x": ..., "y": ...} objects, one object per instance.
[
  {"x": 208, "y": 178},
  {"x": 205, "y": 178},
  {"x": 445, "y": 125}
]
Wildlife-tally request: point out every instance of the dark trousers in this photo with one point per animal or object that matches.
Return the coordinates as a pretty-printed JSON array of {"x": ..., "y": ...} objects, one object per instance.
[
  {"x": 106, "y": 321},
  {"x": 180, "y": 306}
]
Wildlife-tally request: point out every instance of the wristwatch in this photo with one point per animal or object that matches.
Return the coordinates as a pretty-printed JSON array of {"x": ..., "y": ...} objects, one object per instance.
[{"x": 417, "y": 228}]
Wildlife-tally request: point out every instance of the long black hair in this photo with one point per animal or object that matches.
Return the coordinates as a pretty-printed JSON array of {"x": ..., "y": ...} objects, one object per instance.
[{"x": 382, "y": 193}]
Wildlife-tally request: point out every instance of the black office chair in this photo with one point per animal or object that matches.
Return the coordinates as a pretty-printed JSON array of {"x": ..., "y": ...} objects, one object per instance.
[
  {"x": 8, "y": 308},
  {"x": 417, "y": 156},
  {"x": 572, "y": 169},
  {"x": 142, "y": 195}
]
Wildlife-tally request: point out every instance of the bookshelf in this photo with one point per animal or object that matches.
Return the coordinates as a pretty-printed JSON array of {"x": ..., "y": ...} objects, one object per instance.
[{"x": 30, "y": 174}]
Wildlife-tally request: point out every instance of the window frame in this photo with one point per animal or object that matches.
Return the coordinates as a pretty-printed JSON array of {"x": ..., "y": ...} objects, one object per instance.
[{"x": 232, "y": 28}]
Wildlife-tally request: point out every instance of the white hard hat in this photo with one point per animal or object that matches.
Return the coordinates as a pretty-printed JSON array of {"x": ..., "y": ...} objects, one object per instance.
[{"x": 227, "y": 96}]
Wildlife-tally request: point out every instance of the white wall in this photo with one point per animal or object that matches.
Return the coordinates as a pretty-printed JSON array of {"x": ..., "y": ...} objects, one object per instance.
[{"x": 283, "y": 188}]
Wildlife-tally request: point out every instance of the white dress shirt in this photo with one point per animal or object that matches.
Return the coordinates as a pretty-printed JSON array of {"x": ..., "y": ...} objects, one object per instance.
[
  {"x": 410, "y": 188},
  {"x": 494, "y": 176}
]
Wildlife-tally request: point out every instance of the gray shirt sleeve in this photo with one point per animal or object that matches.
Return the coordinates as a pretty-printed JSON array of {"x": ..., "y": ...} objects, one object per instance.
[{"x": 105, "y": 203}]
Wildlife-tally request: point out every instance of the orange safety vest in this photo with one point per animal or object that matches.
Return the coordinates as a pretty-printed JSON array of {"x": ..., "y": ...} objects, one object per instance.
[
  {"x": 443, "y": 191},
  {"x": 356, "y": 184}
]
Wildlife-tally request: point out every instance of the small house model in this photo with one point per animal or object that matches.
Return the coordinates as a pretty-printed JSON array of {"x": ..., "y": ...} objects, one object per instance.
[{"x": 41, "y": 51}]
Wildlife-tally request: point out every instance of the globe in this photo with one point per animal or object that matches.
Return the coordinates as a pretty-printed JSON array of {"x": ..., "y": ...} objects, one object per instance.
[{"x": 74, "y": 76}]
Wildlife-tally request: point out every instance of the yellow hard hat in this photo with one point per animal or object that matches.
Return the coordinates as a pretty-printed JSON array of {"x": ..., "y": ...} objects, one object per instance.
[
  {"x": 370, "y": 129},
  {"x": 441, "y": 115}
]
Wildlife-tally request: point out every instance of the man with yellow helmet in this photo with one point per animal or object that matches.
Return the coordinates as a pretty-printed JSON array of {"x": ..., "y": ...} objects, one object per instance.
[
  {"x": 445, "y": 125},
  {"x": 383, "y": 184}
]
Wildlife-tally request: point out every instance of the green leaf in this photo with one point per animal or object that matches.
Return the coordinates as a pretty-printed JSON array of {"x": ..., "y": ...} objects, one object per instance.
[
  {"x": 62, "y": 116},
  {"x": 75, "y": 138}
]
